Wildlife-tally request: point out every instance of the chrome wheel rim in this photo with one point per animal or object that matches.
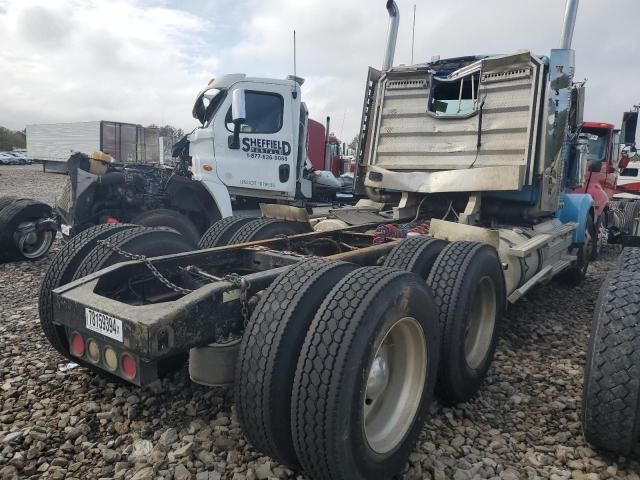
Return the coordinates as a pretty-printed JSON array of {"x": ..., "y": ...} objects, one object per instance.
[
  {"x": 481, "y": 320},
  {"x": 31, "y": 243},
  {"x": 395, "y": 383}
]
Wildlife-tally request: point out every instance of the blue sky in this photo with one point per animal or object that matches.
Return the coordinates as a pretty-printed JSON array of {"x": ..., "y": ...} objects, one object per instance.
[{"x": 144, "y": 61}]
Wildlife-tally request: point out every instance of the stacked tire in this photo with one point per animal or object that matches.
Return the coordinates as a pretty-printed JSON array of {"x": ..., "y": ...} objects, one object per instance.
[
  {"x": 611, "y": 391},
  {"x": 24, "y": 232}
]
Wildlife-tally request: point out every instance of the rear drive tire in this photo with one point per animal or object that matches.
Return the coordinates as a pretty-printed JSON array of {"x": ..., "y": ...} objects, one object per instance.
[
  {"x": 61, "y": 271},
  {"x": 365, "y": 376},
  {"x": 265, "y": 228},
  {"x": 219, "y": 234},
  {"x": 19, "y": 240},
  {"x": 163, "y": 217},
  {"x": 269, "y": 352},
  {"x": 468, "y": 287},
  {"x": 611, "y": 392},
  {"x": 415, "y": 254}
]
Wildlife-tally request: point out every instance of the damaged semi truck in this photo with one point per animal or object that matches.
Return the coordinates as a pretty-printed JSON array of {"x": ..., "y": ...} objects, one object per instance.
[
  {"x": 335, "y": 346},
  {"x": 225, "y": 167}
]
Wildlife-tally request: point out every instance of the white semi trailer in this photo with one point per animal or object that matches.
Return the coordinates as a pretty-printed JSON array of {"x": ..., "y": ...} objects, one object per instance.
[
  {"x": 53, "y": 143},
  {"x": 336, "y": 345}
]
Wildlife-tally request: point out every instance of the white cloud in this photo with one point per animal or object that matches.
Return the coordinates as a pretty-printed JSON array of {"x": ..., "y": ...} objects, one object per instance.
[
  {"x": 70, "y": 60},
  {"x": 136, "y": 61},
  {"x": 337, "y": 40}
]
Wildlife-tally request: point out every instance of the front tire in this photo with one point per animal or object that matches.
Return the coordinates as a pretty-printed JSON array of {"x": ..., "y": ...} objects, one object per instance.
[
  {"x": 576, "y": 274},
  {"x": 595, "y": 236},
  {"x": 365, "y": 376},
  {"x": 611, "y": 392}
]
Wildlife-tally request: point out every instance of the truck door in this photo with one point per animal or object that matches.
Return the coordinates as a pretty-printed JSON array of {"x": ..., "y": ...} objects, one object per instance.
[{"x": 265, "y": 163}]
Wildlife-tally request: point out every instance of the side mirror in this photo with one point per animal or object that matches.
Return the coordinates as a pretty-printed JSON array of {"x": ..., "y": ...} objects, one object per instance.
[
  {"x": 238, "y": 116},
  {"x": 624, "y": 161},
  {"x": 180, "y": 149},
  {"x": 238, "y": 107},
  {"x": 629, "y": 125}
]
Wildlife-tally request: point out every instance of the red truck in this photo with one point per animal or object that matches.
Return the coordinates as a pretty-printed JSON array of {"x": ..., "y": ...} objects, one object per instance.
[
  {"x": 601, "y": 173},
  {"x": 604, "y": 163},
  {"x": 325, "y": 150}
]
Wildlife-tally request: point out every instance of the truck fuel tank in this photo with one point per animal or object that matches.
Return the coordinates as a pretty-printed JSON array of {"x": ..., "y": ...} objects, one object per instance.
[{"x": 524, "y": 252}]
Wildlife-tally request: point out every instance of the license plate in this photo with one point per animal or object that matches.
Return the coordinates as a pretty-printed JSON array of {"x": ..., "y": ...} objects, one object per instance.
[
  {"x": 65, "y": 229},
  {"x": 104, "y": 324}
]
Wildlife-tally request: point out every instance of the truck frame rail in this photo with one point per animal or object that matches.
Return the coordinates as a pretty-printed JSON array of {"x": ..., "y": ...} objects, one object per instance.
[{"x": 151, "y": 318}]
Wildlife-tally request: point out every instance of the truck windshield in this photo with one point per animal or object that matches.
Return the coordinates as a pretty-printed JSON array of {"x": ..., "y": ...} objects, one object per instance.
[
  {"x": 598, "y": 142},
  {"x": 206, "y": 104}
]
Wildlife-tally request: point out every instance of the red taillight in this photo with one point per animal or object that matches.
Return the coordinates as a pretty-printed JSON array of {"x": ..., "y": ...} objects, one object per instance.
[
  {"x": 112, "y": 221},
  {"x": 128, "y": 366},
  {"x": 77, "y": 345}
]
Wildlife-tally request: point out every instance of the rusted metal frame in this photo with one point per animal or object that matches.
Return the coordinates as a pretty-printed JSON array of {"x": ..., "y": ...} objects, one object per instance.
[{"x": 210, "y": 313}]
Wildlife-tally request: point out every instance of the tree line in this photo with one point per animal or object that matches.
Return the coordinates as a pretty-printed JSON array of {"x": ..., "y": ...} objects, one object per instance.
[{"x": 11, "y": 139}]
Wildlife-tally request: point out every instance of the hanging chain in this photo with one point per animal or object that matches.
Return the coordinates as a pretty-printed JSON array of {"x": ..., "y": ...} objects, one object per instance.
[
  {"x": 238, "y": 281},
  {"x": 156, "y": 273},
  {"x": 243, "y": 285},
  {"x": 286, "y": 239}
]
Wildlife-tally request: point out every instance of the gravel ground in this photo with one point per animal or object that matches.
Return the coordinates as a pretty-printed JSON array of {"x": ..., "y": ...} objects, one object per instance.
[
  {"x": 31, "y": 182},
  {"x": 59, "y": 422}
]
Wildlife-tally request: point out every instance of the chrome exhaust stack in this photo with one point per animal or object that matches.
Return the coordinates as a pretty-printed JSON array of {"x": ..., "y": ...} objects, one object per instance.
[
  {"x": 394, "y": 21},
  {"x": 570, "y": 14}
]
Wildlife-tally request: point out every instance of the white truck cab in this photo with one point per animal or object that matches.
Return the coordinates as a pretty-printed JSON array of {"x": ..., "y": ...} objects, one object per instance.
[{"x": 252, "y": 141}]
